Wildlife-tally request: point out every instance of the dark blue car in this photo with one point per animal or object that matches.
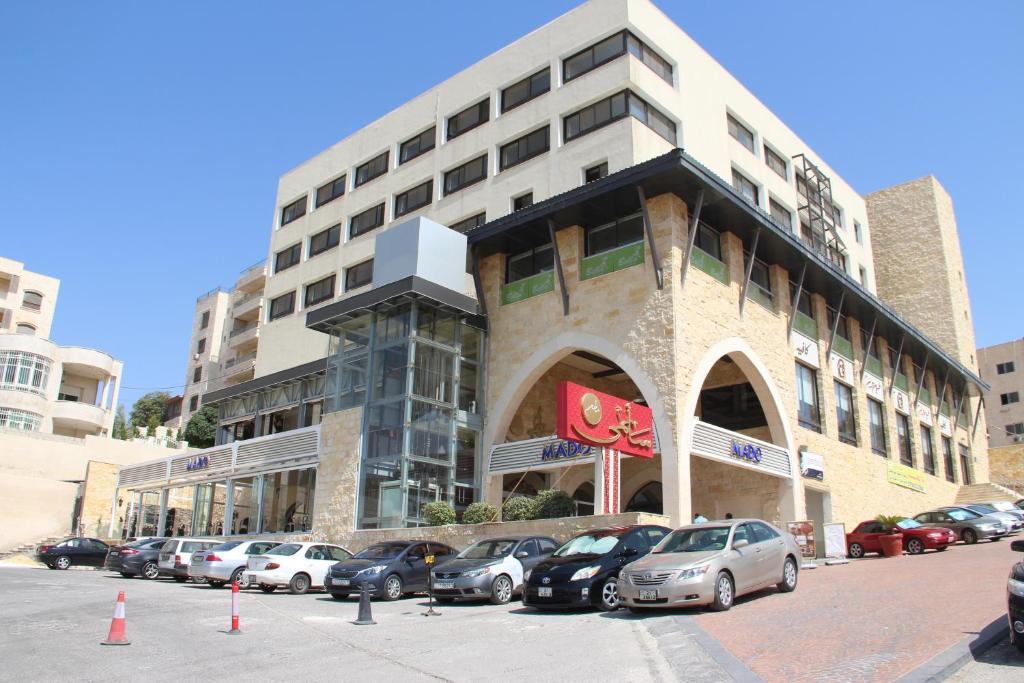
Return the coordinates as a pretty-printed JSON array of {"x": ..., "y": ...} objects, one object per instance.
[{"x": 391, "y": 569}]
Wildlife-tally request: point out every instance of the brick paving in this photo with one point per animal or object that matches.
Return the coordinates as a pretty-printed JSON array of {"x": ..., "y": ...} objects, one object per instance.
[{"x": 870, "y": 620}]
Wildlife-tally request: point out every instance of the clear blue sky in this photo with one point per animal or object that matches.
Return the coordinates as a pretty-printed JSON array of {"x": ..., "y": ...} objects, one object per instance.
[{"x": 140, "y": 143}]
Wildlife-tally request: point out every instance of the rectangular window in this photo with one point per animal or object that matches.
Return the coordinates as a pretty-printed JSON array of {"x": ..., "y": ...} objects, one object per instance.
[
  {"x": 204, "y": 322},
  {"x": 602, "y": 238},
  {"x": 947, "y": 459},
  {"x": 324, "y": 240},
  {"x": 359, "y": 275},
  {"x": 651, "y": 59},
  {"x": 1004, "y": 368},
  {"x": 197, "y": 374},
  {"x": 468, "y": 224},
  {"x": 201, "y": 345},
  {"x": 193, "y": 404},
  {"x": 966, "y": 476},
  {"x": 421, "y": 144},
  {"x": 903, "y": 439},
  {"x": 864, "y": 276},
  {"x": 613, "y": 108},
  {"x": 282, "y": 306},
  {"x": 529, "y": 263},
  {"x": 1008, "y": 398},
  {"x": 807, "y": 398},
  {"x": 743, "y": 135},
  {"x": 293, "y": 211},
  {"x": 526, "y": 89},
  {"x": 843, "y": 329},
  {"x": 1016, "y": 429},
  {"x": 760, "y": 276},
  {"x": 844, "y": 414},
  {"x": 364, "y": 222},
  {"x": 467, "y": 174},
  {"x": 469, "y": 118},
  {"x": 522, "y": 201},
  {"x": 780, "y": 213},
  {"x": 926, "y": 450},
  {"x": 319, "y": 291},
  {"x": 595, "y": 173},
  {"x": 286, "y": 258},
  {"x": 330, "y": 191},
  {"x": 876, "y": 419},
  {"x": 709, "y": 241},
  {"x": 612, "y": 48},
  {"x": 744, "y": 186},
  {"x": 529, "y": 146},
  {"x": 857, "y": 234},
  {"x": 374, "y": 168},
  {"x": 775, "y": 162},
  {"x": 415, "y": 198}
]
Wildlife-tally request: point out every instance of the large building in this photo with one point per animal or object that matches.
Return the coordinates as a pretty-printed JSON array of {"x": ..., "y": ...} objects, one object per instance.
[
  {"x": 599, "y": 202},
  {"x": 1002, "y": 366}
]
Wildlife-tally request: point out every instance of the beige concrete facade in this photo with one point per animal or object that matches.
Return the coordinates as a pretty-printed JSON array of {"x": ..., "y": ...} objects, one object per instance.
[
  {"x": 27, "y": 300},
  {"x": 1002, "y": 366}
]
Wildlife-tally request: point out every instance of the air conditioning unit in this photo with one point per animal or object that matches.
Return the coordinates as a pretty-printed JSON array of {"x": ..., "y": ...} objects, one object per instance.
[{"x": 1018, "y": 438}]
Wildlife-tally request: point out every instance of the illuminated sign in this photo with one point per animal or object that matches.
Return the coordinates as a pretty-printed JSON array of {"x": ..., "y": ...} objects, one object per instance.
[
  {"x": 597, "y": 419},
  {"x": 566, "y": 450},
  {"x": 747, "y": 451},
  {"x": 197, "y": 463}
]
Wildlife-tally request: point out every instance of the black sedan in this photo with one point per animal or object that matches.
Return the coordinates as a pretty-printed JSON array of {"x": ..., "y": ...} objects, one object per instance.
[
  {"x": 88, "y": 552},
  {"x": 583, "y": 572},
  {"x": 1015, "y": 600},
  {"x": 138, "y": 558},
  {"x": 391, "y": 569}
]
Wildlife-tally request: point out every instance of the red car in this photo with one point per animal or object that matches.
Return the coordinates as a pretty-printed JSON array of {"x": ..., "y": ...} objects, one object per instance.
[{"x": 916, "y": 538}]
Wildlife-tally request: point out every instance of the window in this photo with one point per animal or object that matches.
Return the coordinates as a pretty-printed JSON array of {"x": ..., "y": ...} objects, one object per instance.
[
  {"x": 612, "y": 48},
  {"x": 526, "y": 89},
  {"x": 205, "y": 320},
  {"x": 286, "y": 258},
  {"x": 966, "y": 476},
  {"x": 743, "y": 135},
  {"x": 652, "y": 118},
  {"x": 947, "y": 458},
  {"x": 529, "y": 146},
  {"x": 626, "y": 230},
  {"x": 528, "y": 263},
  {"x": 415, "y": 198},
  {"x": 467, "y": 224},
  {"x": 1016, "y": 429},
  {"x": 843, "y": 328},
  {"x": 319, "y": 291},
  {"x": 709, "y": 241},
  {"x": 651, "y": 59},
  {"x": 25, "y": 328},
  {"x": 366, "y": 221},
  {"x": 522, "y": 201},
  {"x": 760, "y": 276},
  {"x": 358, "y": 275},
  {"x": 201, "y": 345},
  {"x": 1004, "y": 368},
  {"x": 293, "y": 211},
  {"x": 193, "y": 404},
  {"x": 330, "y": 191},
  {"x": 421, "y": 144},
  {"x": 903, "y": 439},
  {"x": 863, "y": 276},
  {"x": 876, "y": 420},
  {"x": 324, "y": 240},
  {"x": 780, "y": 213},
  {"x": 844, "y": 414},
  {"x": 465, "y": 175},
  {"x": 469, "y": 118},
  {"x": 1008, "y": 398},
  {"x": 197, "y": 374},
  {"x": 11, "y": 418},
  {"x": 595, "y": 172},
  {"x": 775, "y": 162},
  {"x": 744, "y": 186},
  {"x": 857, "y": 233},
  {"x": 282, "y": 306},
  {"x": 374, "y": 168},
  {"x": 23, "y": 371},
  {"x": 807, "y": 397},
  {"x": 612, "y": 109},
  {"x": 32, "y": 301},
  {"x": 926, "y": 450}
]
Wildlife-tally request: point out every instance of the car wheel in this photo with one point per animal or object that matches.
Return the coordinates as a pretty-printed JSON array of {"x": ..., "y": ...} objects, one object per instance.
[
  {"x": 126, "y": 575},
  {"x": 267, "y": 589},
  {"x": 609, "y": 596},
  {"x": 788, "y": 583},
  {"x": 724, "y": 592},
  {"x": 181, "y": 579},
  {"x": 238, "y": 576},
  {"x": 996, "y": 538},
  {"x": 970, "y": 536},
  {"x": 62, "y": 562},
  {"x": 299, "y": 584},
  {"x": 392, "y": 587},
  {"x": 856, "y": 551},
  {"x": 150, "y": 571},
  {"x": 501, "y": 590},
  {"x": 212, "y": 583},
  {"x": 943, "y": 548},
  {"x": 915, "y": 546}
]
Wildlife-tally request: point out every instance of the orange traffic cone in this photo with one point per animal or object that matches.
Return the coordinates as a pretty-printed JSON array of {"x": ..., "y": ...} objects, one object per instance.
[{"x": 116, "y": 635}]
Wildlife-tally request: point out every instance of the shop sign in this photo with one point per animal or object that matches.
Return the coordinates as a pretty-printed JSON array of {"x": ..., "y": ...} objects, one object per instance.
[
  {"x": 842, "y": 368},
  {"x": 924, "y": 413},
  {"x": 565, "y": 450},
  {"x": 812, "y": 465},
  {"x": 835, "y": 540},
  {"x": 747, "y": 451},
  {"x": 598, "y": 419},
  {"x": 873, "y": 387},
  {"x": 945, "y": 425},
  {"x": 197, "y": 463},
  {"x": 901, "y": 401},
  {"x": 805, "y": 350},
  {"x": 804, "y": 533},
  {"x": 907, "y": 477}
]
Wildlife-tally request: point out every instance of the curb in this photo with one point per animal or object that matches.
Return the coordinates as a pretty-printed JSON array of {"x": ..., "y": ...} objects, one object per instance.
[{"x": 945, "y": 664}]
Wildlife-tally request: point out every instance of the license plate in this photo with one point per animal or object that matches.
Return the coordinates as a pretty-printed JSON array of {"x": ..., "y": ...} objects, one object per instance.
[
  {"x": 648, "y": 595},
  {"x": 342, "y": 582},
  {"x": 543, "y": 592},
  {"x": 251, "y": 578},
  {"x": 444, "y": 585}
]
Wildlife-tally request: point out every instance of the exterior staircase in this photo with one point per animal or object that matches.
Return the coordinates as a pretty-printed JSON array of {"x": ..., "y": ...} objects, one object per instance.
[
  {"x": 30, "y": 548},
  {"x": 986, "y": 492}
]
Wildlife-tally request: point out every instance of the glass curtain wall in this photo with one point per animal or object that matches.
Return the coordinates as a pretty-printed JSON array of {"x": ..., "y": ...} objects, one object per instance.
[
  {"x": 245, "y": 506},
  {"x": 180, "y": 506},
  {"x": 288, "y": 501}
]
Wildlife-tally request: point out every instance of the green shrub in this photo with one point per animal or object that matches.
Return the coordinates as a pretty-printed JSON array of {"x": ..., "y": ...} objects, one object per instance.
[
  {"x": 518, "y": 508},
  {"x": 439, "y": 514},
  {"x": 890, "y": 521},
  {"x": 480, "y": 513},
  {"x": 553, "y": 503}
]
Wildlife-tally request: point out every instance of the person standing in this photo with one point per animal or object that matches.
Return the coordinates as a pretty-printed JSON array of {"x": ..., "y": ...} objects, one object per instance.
[{"x": 699, "y": 518}]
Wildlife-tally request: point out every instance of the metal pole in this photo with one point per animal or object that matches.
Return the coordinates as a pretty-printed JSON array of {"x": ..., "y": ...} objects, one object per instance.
[
  {"x": 659, "y": 276},
  {"x": 835, "y": 325},
  {"x": 920, "y": 381},
  {"x": 750, "y": 269},
  {"x": 692, "y": 237},
  {"x": 977, "y": 416},
  {"x": 796, "y": 300},
  {"x": 558, "y": 267},
  {"x": 867, "y": 349},
  {"x": 899, "y": 362}
]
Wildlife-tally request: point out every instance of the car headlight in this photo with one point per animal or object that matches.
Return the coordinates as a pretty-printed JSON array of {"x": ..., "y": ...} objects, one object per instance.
[
  {"x": 986, "y": 527},
  {"x": 586, "y": 573},
  {"x": 375, "y": 569},
  {"x": 1016, "y": 587},
  {"x": 693, "y": 572},
  {"x": 472, "y": 573}
]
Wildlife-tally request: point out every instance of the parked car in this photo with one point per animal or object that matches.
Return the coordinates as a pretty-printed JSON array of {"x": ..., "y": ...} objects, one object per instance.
[
  {"x": 711, "y": 564},
  {"x": 391, "y": 569},
  {"x": 916, "y": 537},
  {"x": 138, "y": 558},
  {"x": 87, "y": 552},
  {"x": 968, "y": 526},
  {"x": 491, "y": 568},
  {"x": 1015, "y": 599},
  {"x": 583, "y": 572},
  {"x": 1011, "y": 520},
  {"x": 176, "y": 553},
  {"x": 225, "y": 563},
  {"x": 1006, "y": 506},
  {"x": 299, "y": 566}
]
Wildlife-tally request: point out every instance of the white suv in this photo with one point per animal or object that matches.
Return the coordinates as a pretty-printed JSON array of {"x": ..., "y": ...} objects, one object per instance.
[
  {"x": 176, "y": 553},
  {"x": 225, "y": 563}
]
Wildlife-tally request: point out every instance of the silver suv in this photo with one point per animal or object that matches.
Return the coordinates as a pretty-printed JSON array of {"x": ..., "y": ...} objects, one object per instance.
[{"x": 176, "y": 554}]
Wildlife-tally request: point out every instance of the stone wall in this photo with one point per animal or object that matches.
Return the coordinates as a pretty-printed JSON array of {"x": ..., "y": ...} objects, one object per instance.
[
  {"x": 337, "y": 476},
  {"x": 97, "y": 496},
  {"x": 1007, "y": 466}
]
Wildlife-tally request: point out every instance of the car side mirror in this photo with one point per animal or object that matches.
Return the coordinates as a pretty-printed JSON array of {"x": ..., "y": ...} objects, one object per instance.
[
  {"x": 1017, "y": 546},
  {"x": 740, "y": 543},
  {"x": 629, "y": 552},
  {"x": 522, "y": 555}
]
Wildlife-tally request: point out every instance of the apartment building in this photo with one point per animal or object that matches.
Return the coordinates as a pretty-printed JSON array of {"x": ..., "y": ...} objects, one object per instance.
[
  {"x": 599, "y": 202},
  {"x": 1002, "y": 366}
]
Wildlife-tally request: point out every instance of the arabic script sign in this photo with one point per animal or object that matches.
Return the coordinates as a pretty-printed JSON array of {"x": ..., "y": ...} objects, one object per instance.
[{"x": 598, "y": 419}]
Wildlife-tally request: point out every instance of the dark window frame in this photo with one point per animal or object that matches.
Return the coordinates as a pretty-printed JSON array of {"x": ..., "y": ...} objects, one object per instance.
[
  {"x": 526, "y": 148},
  {"x": 362, "y": 175},
  {"x": 288, "y": 211},
  {"x": 771, "y": 155},
  {"x": 628, "y": 44},
  {"x": 883, "y": 449},
  {"x": 197, "y": 374},
  {"x": 288, "y": 306},
  {"x": 601, "y": 172},
  {"x": 806, "y": 423},
  {"x": 775, "y": 207},
  {"x": 483, "y": 115},
  {"x": 616, "y": 225},
  {"x": 1009, "y": 398},
  {"x": 738, "y": 180},
  {"x": 402, "y": 205},
  {"x": 332, "y": 240},
  {"x": 631, "y": 104},
  {"x": 333, "y": 194},
  {"x": 204, "y": 320},
  {"x": 294, "y": 251},
  {"x": 903, "y": 440},
  {"x": 356, "y": 269},
  {"x": 846, "y": 419},
  {"x": 420, "y": 149},
  {"x": 518, "y": 202},
  {"x": 531, "y": 93},
  {"x": 458, "y": 178},
  {"x": 467, "y": 224},
  {"x": 736, "y": 128},
  {"x": 1005, "y": 368},
  {"x": 379, "y": 219},
  {"x": 927, "y": 449},
  {"x": 537, "y": 265},
  {"x": 308, "y": 301}
]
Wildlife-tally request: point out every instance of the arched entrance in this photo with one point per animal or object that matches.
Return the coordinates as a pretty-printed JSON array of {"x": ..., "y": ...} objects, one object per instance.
[{"x": 647, "y": 499}]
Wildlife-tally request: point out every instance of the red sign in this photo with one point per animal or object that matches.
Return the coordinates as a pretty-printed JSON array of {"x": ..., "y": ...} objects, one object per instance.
[{"x": 598, "y": 419}]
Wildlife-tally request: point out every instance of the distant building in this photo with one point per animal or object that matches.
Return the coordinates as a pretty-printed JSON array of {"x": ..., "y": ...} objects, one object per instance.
[{"x": 1002, "y": 366}]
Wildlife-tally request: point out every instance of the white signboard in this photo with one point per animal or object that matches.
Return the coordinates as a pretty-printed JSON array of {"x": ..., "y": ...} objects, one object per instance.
[
  {"x": 812, "y": 465},
  {"x": 945, "y": 425},
  {"x": 901, "y": 401},
  {"x": 835, "y": 540},
  {"x": 924, "y": 413},
  {"x": 842, "y": 368},
  {"x": 873, "y": 387},
  {"x": 806, "y": 350}
]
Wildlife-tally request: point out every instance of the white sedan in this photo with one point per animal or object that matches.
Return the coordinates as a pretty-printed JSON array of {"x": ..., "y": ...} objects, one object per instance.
[{"x": 300, "y": 566}]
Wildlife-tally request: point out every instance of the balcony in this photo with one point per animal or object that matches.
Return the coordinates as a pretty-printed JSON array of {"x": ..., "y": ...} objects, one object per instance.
[
  {"x": 254, "y": 274},
  {"x": 242, "y": 335},
  {"x": 246, "y": 302},
  {"x": 77, "y": 417}
]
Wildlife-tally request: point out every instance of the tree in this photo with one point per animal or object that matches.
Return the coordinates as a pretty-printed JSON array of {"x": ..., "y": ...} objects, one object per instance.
[
  {"x": 201, "y": 428},
  {"x": 120, "y": 429},
  {"x": 151, "y": 426},
  {"x": 150, "y": 405},
  {"x": 554, "y": 503}
]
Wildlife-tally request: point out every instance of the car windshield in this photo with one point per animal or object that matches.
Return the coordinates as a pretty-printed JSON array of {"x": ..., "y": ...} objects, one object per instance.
[
  {"x": 981, "y": 509},
  {"x": 962, "y": 515},
  {"x": 696, "y": 540},
  {"x": 487, "y": 550},
  {"x": 227, "y": 546},
  {"x": 909, "y": 524},
  {"x": 285, "y": 549},
  {"x": 382, "y": 551},
  {"x": 1003, "y": 506},
  {"x": 587, "y": 544},
  {"x": 143, "y": 544}
]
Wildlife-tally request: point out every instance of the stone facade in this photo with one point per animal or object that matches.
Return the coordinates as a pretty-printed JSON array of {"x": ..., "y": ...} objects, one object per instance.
[
  {"x": 1007, "y": 466},
  {"x": 97, "y": 492},
  {"x": 337, "y": 475}
]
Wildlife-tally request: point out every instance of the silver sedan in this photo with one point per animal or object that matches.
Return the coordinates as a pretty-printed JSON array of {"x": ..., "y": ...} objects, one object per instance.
[{"x": 711, "y": 564}]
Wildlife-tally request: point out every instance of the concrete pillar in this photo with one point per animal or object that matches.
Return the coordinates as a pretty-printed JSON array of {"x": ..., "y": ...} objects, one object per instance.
[{"x": 106, "y": 394}]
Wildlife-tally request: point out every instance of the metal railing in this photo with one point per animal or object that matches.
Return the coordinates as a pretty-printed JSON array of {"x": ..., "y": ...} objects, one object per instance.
[
  {"x": 231, "y": 362},
  {"x": 259, "y": 265},
  {"x": 248, "y": 297},
  {"x": 239, "y": 329},
  {"x": 210, "y": 293}
]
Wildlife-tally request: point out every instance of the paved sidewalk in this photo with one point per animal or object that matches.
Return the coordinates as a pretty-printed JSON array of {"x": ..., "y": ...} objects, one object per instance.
[{"x": 1001, "y": 664}]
